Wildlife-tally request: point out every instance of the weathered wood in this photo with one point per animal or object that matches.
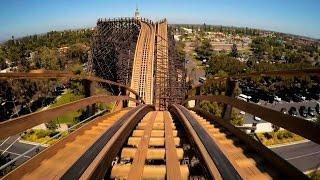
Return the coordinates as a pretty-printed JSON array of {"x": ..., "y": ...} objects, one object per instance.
[{"x": 172, "y": 161}]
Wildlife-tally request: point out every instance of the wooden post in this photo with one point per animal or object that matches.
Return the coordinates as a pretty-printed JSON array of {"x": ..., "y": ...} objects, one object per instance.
[
  {"x": 124, "y": 92},
  {"x": 198, "y": 93},
  {"x": 231, "y": 85},
  {"x": 88, "y": 91}
]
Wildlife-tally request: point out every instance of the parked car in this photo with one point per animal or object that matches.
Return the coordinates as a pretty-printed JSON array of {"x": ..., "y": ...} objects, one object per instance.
[
  {"x": 318, "y": 108},
  {"x": 316, "y": 96},
  {"x": 202, "y": 79},
  {"x": 286, "y": 98},
  {"x": 293, "y": 111},
  {"x": 284, "y": 111},
  {"x": 303, "y": 111},
  {"x": 276, "y": 98},
  {"x": 311, "y": 111},
  {"x": 254, "y": 99},
  {"x": 244, "y": 97},
  {"x": 296, "y": 98},
  {"x": 301, "y": 97},
  {"x": 256, "y": 118}
]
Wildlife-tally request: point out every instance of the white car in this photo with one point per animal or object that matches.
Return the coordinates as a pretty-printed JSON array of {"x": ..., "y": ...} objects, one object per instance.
[
  {"x": 256, "y": 118},
  {"x": 242, "y": 112},
  {"x": 276, "y": 98}
]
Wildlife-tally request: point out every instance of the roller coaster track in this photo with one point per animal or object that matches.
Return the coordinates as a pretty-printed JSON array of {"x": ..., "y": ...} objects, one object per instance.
[
  {"x": 141, "y": 142},
  {"x": 155, "y": 149},
  {"x": 142, "y": 72},
  {"x": 162, "y": 67}
]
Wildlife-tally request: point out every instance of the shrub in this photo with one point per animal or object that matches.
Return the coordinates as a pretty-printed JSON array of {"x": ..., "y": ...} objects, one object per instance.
[
  {"x": 41, "y": 133},
  {"x": 267, "y": 135},
  {"x": 284, "y": 135}
]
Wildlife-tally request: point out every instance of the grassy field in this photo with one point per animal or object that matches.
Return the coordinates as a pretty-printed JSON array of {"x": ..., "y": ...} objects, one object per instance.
[
  {"x": 279, "y": 137},
  {"x": 65, "y": 98},
  {"x": 314, "y": 175},
  {"x": 41, "y": 136}
]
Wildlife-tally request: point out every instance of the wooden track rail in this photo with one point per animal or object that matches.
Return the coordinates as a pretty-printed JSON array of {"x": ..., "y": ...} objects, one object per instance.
[
  {"x": 17, "y": 125},
  {"x": 142, "y": 72},
  {"x": 154, "y": 139},
  {"x": 218, "y": 166},
  {"x": 102, "y": 162},
  {"x": 71, "y": 156},
  {"x": 162, "y": 67},
  {"x": 172, "y": 163},
  {"x": 249, "y": 159},
  {"x": 264, "y": 152},
  {"x": 296, "y": 125}
]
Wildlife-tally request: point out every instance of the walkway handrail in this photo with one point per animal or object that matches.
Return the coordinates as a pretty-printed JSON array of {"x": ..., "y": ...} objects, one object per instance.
[
  {"x": 17, "y": 125},
  {"x": 61, "y": 75},
  {"x": 296, "y": 125}
]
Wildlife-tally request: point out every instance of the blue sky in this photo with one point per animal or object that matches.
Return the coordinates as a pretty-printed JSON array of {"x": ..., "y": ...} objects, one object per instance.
[{"x": 25, "y": 17}]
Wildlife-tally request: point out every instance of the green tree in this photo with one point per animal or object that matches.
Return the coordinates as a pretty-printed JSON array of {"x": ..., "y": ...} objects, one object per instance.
[
  {"x": 236, "y": 119},
  {"x": 3, "y": 64},
  {"x": 234, "y": 51},
  {"x": 48, "y": 58},
  {"x": 204, "y": 50}
]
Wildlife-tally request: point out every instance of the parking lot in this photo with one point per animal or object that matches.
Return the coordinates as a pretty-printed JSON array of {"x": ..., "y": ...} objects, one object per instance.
[{"x": 248, "y": 118}]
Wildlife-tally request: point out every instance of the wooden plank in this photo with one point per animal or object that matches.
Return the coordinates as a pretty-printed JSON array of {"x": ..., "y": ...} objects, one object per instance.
[
  {"x": 103, "y": 161},
  {"x": 35, "y": 164},
  {"x": 276, "y": 161},
  {"x": 307, "y": 129},
  {"x": 244, "y": 172},
  {"x": 137, "y": 167},
  {"x": 17, "y": 125},
  {"x": 212, "y": 168},
  {"x": 172, "y": 162}
]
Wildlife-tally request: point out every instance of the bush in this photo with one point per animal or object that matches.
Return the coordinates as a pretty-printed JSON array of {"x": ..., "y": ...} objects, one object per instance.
[
  {"x": 236, "y": 119},
  {"x": 284, "y": 135},
  {"x": 38, "y": 135},
  {"x": 212, "y": 108},
  {"x": 267, "y": 135},
  {"x": 53, "y": 133},
  {"x": 42, "y": 133},
  {"x": 314, "y": 175}
]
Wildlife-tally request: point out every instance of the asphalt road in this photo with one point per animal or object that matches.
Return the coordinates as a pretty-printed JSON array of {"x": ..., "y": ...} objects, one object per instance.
[
  {"x": 16, "y": 149},
  {"x": 194, "y": 71},
  {"x": 305, "y": 156}
]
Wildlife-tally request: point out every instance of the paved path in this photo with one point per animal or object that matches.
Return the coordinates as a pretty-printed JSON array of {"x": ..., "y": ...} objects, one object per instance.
[
  {"x": 305, "y": 156},
  {"x": 16, "y": 149},
  {"x": 194, "y": 71}
]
